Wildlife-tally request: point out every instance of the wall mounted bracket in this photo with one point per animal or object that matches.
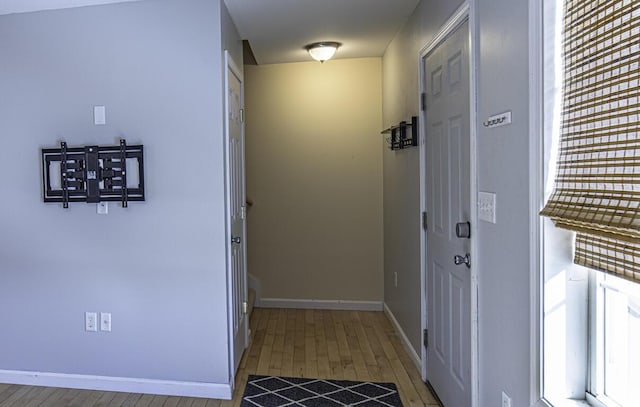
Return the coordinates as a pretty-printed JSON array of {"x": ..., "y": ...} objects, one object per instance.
[
  {"x": 93, "y": 174},
  {"x": 400, "y": 136}
]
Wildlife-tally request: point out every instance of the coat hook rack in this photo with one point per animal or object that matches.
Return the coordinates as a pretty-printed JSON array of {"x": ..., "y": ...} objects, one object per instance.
[{"x": 400, "y": 136}]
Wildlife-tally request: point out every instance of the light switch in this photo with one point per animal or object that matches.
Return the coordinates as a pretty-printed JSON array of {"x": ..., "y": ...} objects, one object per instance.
[
  {"x": 487, "y": 206},
  {"x": 99, "y": 115},
  {"x": 105, "y": 321}
]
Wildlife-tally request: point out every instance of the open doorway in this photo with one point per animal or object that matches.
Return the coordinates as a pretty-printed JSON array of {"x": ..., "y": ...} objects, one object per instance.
[{"x": 314, "y": 174}]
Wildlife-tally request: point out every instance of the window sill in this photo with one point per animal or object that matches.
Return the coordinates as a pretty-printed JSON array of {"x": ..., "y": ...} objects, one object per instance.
[{"x": 569, "y": 403}]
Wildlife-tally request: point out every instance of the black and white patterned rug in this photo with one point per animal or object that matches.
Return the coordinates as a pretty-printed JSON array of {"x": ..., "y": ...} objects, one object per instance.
[{"x": 272, "y": 391}]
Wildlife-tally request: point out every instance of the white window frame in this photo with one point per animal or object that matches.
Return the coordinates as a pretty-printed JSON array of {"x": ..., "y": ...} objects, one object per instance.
[
  {"x": 538, "y": 169},
  {"x": 593, "y": 292},
  {"x": 598, "y": 283},
  {"x": 536, "y": 125}
]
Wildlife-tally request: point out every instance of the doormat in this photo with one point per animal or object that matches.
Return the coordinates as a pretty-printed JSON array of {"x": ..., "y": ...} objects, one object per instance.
[{"x": 273, "y": 391}]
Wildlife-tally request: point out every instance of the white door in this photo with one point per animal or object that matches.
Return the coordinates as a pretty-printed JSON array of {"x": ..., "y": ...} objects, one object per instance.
[
  {"x": 237, "y": 213},
  {"x": 447, "y": 141}
]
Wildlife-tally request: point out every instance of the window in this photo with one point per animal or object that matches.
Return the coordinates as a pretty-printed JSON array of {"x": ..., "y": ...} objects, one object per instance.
[
  {"x": 616, "y": 335},
  {"x": 591, "y": 319}
]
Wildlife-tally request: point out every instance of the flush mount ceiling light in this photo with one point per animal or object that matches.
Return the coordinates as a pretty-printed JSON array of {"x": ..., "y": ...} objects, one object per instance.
[{"x": 322, "y": 51}]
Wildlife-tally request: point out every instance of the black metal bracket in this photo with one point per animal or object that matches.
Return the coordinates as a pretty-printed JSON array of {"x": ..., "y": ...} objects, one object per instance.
[
  {"x": 93, "y": 174},
  {"x": 400, "y": 137}
]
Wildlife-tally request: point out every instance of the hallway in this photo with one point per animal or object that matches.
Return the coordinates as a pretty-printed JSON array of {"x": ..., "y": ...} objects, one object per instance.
[{"x": 344, "y": 345}]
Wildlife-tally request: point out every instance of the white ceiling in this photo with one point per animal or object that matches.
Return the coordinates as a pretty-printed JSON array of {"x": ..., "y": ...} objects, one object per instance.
[{"x": 278, "y": 30}]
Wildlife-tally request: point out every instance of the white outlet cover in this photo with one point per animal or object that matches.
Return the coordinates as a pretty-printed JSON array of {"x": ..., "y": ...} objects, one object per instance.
[
  {"x": 506, "y": 400},
  {"x": 102, "y": 208},
  {"x": 487, "y": 206},
  {"x": 91, "y": 322}
]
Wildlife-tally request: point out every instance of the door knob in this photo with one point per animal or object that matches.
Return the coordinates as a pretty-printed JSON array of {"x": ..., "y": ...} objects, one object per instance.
[
  {"x": 463, "y": 230},
  {"x": 466, "y": 260},
  {"x": 236, "y": 239}
]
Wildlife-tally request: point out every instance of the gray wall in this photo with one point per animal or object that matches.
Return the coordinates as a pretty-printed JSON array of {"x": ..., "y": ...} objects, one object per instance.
[
  {"x": 400, "y": 89},
  {"x": 503, "y": 168},
  {"x": 158, "y": 266}
]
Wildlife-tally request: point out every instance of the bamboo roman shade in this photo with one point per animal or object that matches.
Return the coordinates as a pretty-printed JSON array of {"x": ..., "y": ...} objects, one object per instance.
[{"x": 597, "y": 186}]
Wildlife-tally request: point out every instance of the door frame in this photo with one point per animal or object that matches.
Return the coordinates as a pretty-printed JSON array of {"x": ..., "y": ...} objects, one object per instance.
[
  {"x": 466, "y": 12},
  {"x": 230, "y": 65}
]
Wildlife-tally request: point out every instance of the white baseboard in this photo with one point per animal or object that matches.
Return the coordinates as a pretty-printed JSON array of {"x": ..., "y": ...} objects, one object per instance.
[
  {"x": 118, "y": 384},
  {"x": 320, "y": 304},
  {"x": 405, "y": 341}
]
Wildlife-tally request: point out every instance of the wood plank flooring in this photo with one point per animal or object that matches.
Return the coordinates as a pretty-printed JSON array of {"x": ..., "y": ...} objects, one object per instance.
[{"x": 341, "y": 345}]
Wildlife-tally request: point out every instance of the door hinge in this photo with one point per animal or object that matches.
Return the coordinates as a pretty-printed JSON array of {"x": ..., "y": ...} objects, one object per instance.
[
  {"x": 243, "y": 212},
  {"x": 241, "y": 115},
  {"x": 244, "y": 307},
  {"x": 423, "y": 101},
  {"x": 425, "y": 338},
  {"x": 425, "y": 223}
]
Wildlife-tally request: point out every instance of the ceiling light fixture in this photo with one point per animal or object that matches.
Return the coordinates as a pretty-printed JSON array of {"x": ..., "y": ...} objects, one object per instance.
[{"x": 322, "y": 51}]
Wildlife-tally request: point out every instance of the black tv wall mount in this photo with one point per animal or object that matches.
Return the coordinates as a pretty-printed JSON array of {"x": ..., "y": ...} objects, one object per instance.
[{"x": 93, "y": 174}]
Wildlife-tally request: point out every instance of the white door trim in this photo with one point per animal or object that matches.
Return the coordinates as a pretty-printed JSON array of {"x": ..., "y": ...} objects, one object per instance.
[
  {"x": 536, "y": 195},
  {"x": 466, "y": 12},
  {"x": 229, "y": 64}
]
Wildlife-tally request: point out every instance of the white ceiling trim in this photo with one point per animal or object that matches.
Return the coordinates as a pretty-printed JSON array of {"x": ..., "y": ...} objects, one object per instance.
[
  {"x": 25, "y": 6},
  {"x": 278, "y": 30}
]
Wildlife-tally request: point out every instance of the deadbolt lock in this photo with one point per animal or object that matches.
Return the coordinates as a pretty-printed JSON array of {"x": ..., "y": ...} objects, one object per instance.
[{"x": 463, "y": 230}]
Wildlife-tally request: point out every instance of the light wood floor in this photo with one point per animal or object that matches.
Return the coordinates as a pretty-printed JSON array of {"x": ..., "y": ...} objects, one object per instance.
[{"x": 347, "y": 345}]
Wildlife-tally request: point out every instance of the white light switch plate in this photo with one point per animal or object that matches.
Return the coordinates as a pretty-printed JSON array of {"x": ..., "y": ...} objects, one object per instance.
[
  {"x": 99, "y": 115},
  {"x": 105, "y": 321},
  {"x": 487, "y": 206}
]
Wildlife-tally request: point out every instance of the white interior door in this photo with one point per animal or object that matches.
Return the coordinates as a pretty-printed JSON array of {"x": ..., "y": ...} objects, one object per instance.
[
  {"x": 237, "y": 213},
  {"x": 447, "y": 133}
]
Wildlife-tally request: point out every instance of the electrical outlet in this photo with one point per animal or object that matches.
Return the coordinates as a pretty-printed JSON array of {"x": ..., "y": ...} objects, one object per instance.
[
  {"x": 105, "y": 321},
  {"x": 506, "y": 400},
  {"x": 91, "y": 322},
  {"x": 102, "y": 208}
]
